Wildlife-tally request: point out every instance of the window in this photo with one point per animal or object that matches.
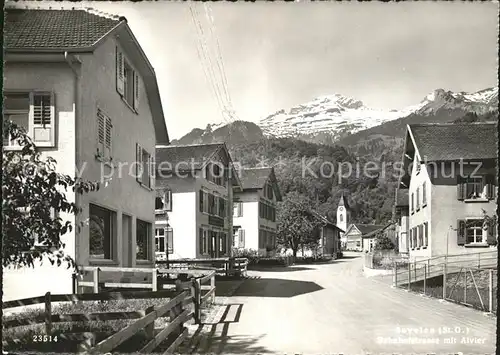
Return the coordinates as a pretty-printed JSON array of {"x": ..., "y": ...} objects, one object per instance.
[
  {"x": 269, "y": 191},
  {"x": 424, "y": 195},
  {"x": 411, "y": 239},
  {"x": 127, "y": 81},
  {"x": 203, "y": 240},
  {"x": 237, "y": 209},
  {"x": 104, "y": 135},
  {"x": 144, "y": 167},
  {"x": 262, "y": 239},
  {"x": 101, "y": 231},
  {"x": 202, "y": 201},
  {"x": 418, "y": 198},
  {"x": 473, "y": 187},
  {"x": 474, "y": 232},
  {"x": 142, "y": 239},
  {"x": 160, "y": 240},
  {"x": 214, "y": 172},
  {"x": 222, "y": 242},
  {"x": 341, "y": 218},
  {"x": 412, "y": 203},
  {"x": 33, "y": 111},
  {"x": 170, "y": 240},
  {"x": 421, "y": 235},
  {"x": 241, "y": 238},
  {"x": 222, "y": 207}
]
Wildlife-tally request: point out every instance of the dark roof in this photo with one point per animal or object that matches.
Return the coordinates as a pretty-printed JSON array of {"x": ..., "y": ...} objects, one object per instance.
[
  {"x": 326, "y": 221},
  {"x": 254, "y": 178},
  {"x": 455, "y": 141},
  {"x": 377, "y": 230},
  {"x": 402, "y": 198},
  {"x": 185, "y": 157},
  {"x": 55, "y": 29}
]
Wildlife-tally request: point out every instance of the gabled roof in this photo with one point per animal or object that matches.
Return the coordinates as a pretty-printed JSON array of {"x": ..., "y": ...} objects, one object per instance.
[
  {"x": 55, "y": 29},
  {"x": 377, "y": 230},
  {"x": 365, "y": 229},
  {"x": 191, "y": 157},
  {"x": 455, "y": 141},
  {"x": 327, "y": 222},
  {"x": 256, "y": 179}
]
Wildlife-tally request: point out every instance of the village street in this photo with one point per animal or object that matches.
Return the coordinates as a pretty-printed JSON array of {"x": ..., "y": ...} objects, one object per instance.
[{"x": 332, "y": 308}]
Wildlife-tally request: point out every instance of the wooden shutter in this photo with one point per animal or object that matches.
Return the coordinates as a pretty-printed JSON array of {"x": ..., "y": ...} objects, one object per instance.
[
  {"x": 101, "y": 132},
  {"x": 136, "y": 91},
  {"x": 492, "y": 234},
  {"x": 139, "y": 163},
  {"x": 201, "y": 200},
  {"x": 411, "y": 238},
  {"x": 242, "y": 238},
  {"x": 120, "y": 72},
  {"x": 108, "y": 138},
  {"x": 460, "y": 188},
  {"x": 170, "y": 241},
  {"x": 240, "y": 209},
  {"x": 461, "y": 238},
  {"x": 426, "y": 233},
  {"x": 42, "y": 118}
]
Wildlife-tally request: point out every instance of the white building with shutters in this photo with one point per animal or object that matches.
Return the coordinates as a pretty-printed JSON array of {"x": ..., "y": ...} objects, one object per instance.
[
  {"x": 194, "y": 186},
  {"x": 254, "y": 211},
  {"x": 88, "y": 97},
  {"x": 450, "y": 178}
]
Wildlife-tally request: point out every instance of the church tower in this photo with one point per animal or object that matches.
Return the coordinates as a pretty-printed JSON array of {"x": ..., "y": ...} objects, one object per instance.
[{"x": 343, "y": 215}]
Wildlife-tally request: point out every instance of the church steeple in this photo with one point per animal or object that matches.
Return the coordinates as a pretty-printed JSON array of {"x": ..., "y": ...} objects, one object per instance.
[
  {"x": 343, "y": 201},
  {"x": 343, "y": 213}
]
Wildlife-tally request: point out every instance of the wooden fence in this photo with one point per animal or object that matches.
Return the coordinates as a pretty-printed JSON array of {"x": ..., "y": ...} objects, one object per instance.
[
  {"x": 185, "y": 293},
  {"x": 222, "y": 266}
]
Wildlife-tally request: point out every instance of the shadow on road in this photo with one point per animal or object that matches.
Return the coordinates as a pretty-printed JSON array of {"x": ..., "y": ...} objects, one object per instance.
[
  {"x": 349, "y": 257},
  {"x": 264, "y": 287},
  {"x": 280, "y": 268},
  {"x": 213, "y": 338}
]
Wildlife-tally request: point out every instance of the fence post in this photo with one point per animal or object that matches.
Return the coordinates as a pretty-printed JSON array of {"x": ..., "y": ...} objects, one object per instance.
[
  {"x": 409, "y": 276},
  {"x": 96, "y": 280},
  {"x": 478, "y": 260},
  {"x": 196, "y": 301},
  {"x": 48, "y": 314},
  {"x": 465, "y": 286},
  {"x": 154, "y": 281},
  {"x": 150, "y": 328},
  {"x": 490, "y": 291},
  {"x": 212, "y": 287},
  {"x": 425, "y": 278},
  {"x": 415, "y": 270},
  {"x": 444, "y": 281}
]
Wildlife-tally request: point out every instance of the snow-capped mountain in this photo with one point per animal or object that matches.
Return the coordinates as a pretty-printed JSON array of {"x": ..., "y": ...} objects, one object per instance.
[{"x": 339, "y": 115}]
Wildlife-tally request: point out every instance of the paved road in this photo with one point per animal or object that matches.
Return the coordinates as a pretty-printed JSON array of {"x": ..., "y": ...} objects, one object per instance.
[{"x": 332, "y": 308}]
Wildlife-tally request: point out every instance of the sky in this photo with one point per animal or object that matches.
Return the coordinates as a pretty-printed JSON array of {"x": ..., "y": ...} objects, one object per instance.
[{"x": 278, "y": 55}]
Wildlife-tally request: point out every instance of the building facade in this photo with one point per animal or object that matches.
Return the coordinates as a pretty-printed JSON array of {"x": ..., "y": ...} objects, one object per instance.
[
  {"x": 356, "y": 235},
  {"x": 254, "y": 211},
  {"x": 402, "y": 215},
  {"x": 450, "y": 173},
  {"x": 194, "y": 198},
  {"x": 89, "y": 98}
]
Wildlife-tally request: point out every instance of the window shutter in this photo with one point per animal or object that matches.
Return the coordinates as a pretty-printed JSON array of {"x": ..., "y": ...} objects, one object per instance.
[
  {"x": 411, "y": 238},
  {"x": 43, "y": 117},
  {"x": 152, "y": 171},
  {"x": 200, "y": 240},
  {"x": 120, "y": 75},
  {"x": 136, "y": 91},
  {"x": 242, "y": 238},
  {"x": 461, "y": 232},
  {"x": 240, "y": 209},
  {"x": 460, "y": 188},
  {"x": 426, "y": 233},
  {"x": 139, "y": 162},
  {"x": 169, "y": 200},
  {"x": 101, "y": 132},
  {"x": 108, "y": 138},
  {"x": 492, "y": 234},
  {"x": 201, "y": 200}
]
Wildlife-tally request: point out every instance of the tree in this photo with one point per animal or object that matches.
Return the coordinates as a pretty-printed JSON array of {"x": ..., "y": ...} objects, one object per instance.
[
  {"x": 33, "y": 197},
  {"x": 297, "y": 222},
  {"x": 383, "y": 242}
]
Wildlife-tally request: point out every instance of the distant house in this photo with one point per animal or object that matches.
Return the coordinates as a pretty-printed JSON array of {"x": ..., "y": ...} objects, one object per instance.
[
  {"x": 194, "y": 201},
  {"x": 402, "y": 215},
  {"x": 80, "y": 84},
  {"x": 369, "y": 240},
  {"x": 450, "y": 174},
  {"x": 254, "y": 210},
  {"x": 355, "y": 232}
]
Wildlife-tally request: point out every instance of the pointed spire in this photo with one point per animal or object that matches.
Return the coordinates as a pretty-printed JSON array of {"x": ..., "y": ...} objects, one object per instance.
[{"x": 343, "y": 201}]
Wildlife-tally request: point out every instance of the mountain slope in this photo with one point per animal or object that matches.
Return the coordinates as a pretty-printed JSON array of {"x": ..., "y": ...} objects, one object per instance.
[{"x": 328, "y": 118}]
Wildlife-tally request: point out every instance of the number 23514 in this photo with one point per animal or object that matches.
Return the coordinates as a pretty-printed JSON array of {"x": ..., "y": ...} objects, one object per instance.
[{"x": 44, "y": 339}]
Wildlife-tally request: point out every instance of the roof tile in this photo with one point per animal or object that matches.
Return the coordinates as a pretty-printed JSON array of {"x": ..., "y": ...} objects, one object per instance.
[{"x": 55, "y": 29}]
